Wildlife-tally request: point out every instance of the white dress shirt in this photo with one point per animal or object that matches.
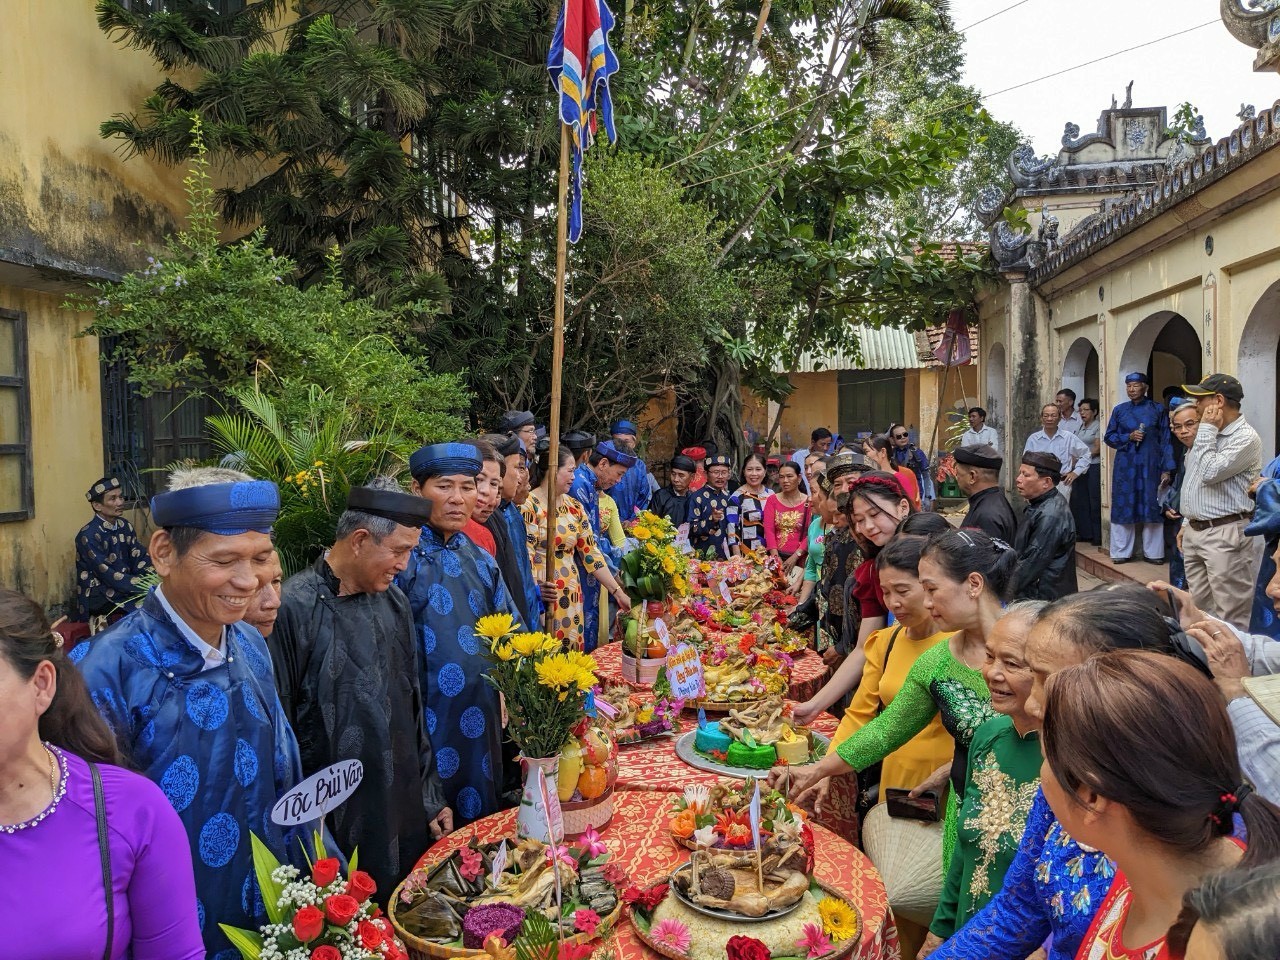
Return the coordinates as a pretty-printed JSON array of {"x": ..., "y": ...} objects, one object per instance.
[
  {"x": 213, "y": 656},
  {"x": 1071, "y": 424},
  {"x": 1067, "y": 447},
  {"x": 986, "y": 435}
]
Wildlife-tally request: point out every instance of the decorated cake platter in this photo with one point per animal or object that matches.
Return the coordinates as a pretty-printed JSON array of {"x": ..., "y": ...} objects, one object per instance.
[
  {"x": 750, "y": 739},
  {"x": 680, "y": 886}
]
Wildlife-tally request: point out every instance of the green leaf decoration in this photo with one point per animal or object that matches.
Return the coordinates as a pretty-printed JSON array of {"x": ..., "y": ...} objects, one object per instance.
[
  {"x": 264, "y": 863},
  {"x": 249, "y": 944}
]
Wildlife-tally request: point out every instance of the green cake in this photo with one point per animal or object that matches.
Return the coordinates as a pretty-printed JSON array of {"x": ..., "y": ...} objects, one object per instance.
[
  {"x": 760, "y": 757},
  {"x": 711, "y": 739}
]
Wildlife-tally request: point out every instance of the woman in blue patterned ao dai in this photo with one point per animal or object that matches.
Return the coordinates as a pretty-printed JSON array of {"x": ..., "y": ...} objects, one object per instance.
[
  {"x": 190, "y": 695},
  {"x": 451, "y": 583}
]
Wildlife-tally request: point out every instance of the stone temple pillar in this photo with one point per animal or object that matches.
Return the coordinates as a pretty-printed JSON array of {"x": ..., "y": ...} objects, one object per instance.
[{"x": 1028, "y": 341}]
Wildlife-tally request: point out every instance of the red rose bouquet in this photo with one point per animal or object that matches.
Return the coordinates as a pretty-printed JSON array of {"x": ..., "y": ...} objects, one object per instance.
[{"x": 324, "y": 916}]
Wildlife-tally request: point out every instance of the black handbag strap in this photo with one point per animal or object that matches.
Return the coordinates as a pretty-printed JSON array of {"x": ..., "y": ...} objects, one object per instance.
[{"x": 104, "y": 852}]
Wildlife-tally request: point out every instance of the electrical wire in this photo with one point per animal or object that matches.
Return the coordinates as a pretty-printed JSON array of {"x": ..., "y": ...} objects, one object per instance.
[
  {"x": 874, "y": 71},
  {"x": 947, "y": 108}
]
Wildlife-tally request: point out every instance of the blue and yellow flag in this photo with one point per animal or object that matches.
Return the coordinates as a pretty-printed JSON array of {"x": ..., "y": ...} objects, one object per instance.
[{"x": 581, "y": 63}]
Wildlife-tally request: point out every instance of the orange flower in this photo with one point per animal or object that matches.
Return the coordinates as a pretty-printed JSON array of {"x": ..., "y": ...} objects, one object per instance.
[
  {"x": 684, "y": 823},
  {"x": 729, "y": 819}
]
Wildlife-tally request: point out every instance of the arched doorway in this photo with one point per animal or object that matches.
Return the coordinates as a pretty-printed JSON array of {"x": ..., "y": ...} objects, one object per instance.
[
  {"x": 996, "y": 386},
  {"x": 1080, "y": 368},
  {"x": 1167, "y": 349},
  {"x": 1257, "y": 368}
]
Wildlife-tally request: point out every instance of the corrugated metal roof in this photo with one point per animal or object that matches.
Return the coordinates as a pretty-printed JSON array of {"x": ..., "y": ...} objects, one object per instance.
[{"x": 883, "y": 348}]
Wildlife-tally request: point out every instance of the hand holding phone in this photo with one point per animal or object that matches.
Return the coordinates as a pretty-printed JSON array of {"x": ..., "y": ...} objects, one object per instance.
[{"x": 904, "y": 806}]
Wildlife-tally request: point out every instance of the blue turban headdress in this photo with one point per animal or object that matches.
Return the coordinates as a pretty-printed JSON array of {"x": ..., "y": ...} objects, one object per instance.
[
  {"x": 625, "y": 427},
  {"x": 1137, "y": 378},
  {"x": 226, "y": 509},
  {"x": 443, "y": 460},
  {"x": 614, "y": 455}
]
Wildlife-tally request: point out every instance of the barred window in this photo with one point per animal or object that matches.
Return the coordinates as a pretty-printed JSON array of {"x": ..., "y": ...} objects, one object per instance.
[{"x": 17, "y": 493}]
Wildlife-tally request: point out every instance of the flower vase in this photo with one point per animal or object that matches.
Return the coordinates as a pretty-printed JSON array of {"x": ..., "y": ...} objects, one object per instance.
[{"x": 534, "y": 820}]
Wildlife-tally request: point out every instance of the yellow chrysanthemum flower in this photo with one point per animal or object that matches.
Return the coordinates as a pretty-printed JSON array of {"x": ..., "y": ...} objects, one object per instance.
[
  {"x": 651, "y": 548},
  {"x": 495, "y": 626},
  {"x": 550, "y": 644},
  {"x": 679, "y": 583},
  {"x": 668, "y": 565},
  {"x": 839, "y": 922},
  {"x": 557, "y": 673},
  {"x": 585, "y": 665},
  {"x": 641, "y": 533},
  {"x": 527, "y": 644},
  {"x": 503, "y": 651}
]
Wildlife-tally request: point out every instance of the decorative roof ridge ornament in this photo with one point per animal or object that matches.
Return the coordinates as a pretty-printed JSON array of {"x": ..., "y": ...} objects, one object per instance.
[{"x": 1248, "y": 20}]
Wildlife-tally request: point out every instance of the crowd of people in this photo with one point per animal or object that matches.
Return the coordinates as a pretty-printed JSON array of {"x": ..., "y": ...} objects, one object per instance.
[{"x": 1097, "y": 769}]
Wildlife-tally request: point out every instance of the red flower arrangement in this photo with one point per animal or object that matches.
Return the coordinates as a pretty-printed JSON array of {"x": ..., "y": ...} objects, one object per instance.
[{"x": 338, "y": 920}]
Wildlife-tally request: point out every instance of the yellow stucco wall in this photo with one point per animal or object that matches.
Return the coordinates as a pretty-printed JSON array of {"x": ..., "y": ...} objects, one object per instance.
[
  {"x": 37, "y": 556},
  {"x": 1213, "y": 260},
  {"x": 70, "y": 205},
  {"x": 65, "y": 193}
]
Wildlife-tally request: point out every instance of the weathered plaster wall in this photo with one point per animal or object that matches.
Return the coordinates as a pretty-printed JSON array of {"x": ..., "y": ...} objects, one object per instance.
[
  {"x": 66, "y": 195},
  {"x": 37, "y": 556}
]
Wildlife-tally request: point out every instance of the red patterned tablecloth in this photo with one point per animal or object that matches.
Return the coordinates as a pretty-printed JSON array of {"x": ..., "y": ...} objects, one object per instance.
[
  {"x": 639, "y": 842},
  {"x": 653, "y": 764},
  {"x": 808, "y": 673}
]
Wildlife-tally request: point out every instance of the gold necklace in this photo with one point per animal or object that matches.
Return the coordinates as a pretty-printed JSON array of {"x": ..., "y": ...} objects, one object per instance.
[{"x": 53, "y": 773}]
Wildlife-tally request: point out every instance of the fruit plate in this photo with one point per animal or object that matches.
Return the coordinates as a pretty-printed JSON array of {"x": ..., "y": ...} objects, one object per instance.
[
  {"x": 720, "y": 913},
  {"x": 686, "y": 752}
]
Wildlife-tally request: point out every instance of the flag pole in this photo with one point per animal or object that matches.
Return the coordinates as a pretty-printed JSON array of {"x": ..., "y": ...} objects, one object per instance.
[{"x": 557, "y": 360}]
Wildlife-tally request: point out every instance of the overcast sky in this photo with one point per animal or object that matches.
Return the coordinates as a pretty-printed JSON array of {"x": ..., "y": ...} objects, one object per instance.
[{"x": 1207, "y": 67}]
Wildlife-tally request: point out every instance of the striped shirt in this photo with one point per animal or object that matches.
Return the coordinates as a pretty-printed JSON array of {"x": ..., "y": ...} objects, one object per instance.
[{"x": 1219, "y": 468}]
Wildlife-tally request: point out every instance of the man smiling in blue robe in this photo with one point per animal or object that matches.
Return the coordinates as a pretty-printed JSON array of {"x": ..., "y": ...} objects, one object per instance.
[
  {"x": 1139, "y": 434},
  {"x": 451, "y": 583},
  {"x": 189, "y": 691}
]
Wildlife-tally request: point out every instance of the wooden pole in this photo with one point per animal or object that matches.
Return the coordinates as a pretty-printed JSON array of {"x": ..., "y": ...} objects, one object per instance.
[{"x": 557, "y": 360}]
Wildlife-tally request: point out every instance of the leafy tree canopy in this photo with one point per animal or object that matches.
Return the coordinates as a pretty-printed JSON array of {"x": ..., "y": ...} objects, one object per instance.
[{"x": 215, "y": 319}]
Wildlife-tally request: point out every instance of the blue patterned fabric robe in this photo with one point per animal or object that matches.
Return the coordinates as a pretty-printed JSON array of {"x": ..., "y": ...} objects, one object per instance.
[
  {"x": 705, "y": 534},
  {"x": 1264, "y": 619},
  {"x": 109, "y": 562},
  {"x": 632, "y": 492},
  {"x": 529, "y": 578},
  {"x": 1053, "y": 886},
  {"x": 586, "y": 490},
  {"x": 217, "y": 743},
  {"x": 1135, "y": 479},
  {"x": 450, "y": 586}
]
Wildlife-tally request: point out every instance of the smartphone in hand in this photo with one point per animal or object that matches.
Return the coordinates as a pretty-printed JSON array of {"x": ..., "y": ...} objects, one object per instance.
[{"x": 906, "y": 807}]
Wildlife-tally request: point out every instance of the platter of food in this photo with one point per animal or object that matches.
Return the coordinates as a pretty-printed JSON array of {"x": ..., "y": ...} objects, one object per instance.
[
  {"x": 751, "y": 738},
  {"x": 448, "y": 909},
  {"x": 723, "y": 810},
  {"x": 747, "y": 903}
]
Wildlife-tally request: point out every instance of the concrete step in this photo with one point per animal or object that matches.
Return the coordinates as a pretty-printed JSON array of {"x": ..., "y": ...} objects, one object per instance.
[{"x": 1096, "y": 562}]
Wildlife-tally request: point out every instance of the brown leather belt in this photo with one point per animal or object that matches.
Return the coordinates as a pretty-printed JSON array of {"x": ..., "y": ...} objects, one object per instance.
[{"x": 1219, "y": 521}]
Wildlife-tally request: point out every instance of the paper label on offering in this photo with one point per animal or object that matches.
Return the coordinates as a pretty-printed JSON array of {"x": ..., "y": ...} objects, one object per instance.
[
  {"x": 725, "y": 595},
  {"x": 754, "y": 816},
  {"x": 319, "y": 794},
  {"x": 660, "y": 628},
  {"x": 684, "y": 672},
  {"x": 682, "y": 539},
  {"x": 499, "y": 864}
]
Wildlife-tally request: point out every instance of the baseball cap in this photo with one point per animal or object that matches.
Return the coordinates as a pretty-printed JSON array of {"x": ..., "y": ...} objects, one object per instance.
[{"x": 1221, "y": 383}]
